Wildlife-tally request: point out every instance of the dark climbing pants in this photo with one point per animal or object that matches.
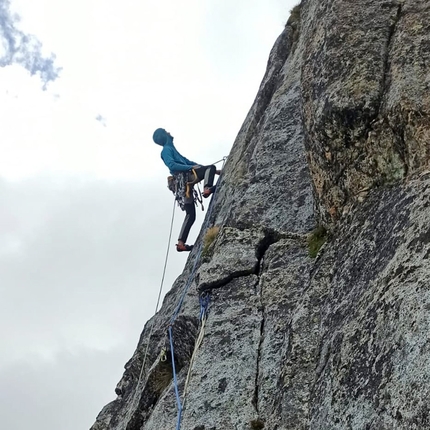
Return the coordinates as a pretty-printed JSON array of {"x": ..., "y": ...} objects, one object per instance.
[
  {"x": 190, "y": 217},
  {"x": 207, "y": 173}
]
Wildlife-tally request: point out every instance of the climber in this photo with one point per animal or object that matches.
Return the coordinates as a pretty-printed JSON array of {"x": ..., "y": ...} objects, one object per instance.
[{"x": 187, "y": 173}]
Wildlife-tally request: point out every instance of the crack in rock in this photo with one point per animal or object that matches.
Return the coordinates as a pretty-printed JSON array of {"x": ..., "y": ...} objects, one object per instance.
[
  {"x": 255, "y": 399},
  {"x": 386, "y": 69},
  {"x": 235, "y": 254}
]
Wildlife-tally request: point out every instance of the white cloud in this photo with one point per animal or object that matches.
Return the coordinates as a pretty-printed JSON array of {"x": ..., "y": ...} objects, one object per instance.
[{"x": 23, "y": 48}]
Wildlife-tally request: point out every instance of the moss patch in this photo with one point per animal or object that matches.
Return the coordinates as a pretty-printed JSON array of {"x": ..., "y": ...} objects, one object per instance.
[
  {"x": 209, "y": 239},
  {"x": 316, "y": 240}
]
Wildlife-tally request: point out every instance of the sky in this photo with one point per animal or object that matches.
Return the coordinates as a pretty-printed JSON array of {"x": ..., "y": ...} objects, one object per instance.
[{"x": 84, "y": 207}]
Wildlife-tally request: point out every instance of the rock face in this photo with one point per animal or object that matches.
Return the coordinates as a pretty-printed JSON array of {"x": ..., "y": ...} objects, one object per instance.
[
  {"x": 365, "y": 86},
  {"x": 338, "y": 135}
]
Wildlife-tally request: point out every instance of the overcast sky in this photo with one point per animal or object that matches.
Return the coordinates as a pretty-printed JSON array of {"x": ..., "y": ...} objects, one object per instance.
[{"x": 84, "y": 208}]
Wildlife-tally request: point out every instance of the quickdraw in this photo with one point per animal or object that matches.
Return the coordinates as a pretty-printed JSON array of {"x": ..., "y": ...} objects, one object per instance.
[{"x": 163, "y": 355}]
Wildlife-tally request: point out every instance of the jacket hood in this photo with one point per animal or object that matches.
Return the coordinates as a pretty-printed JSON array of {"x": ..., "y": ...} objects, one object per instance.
[{"x": 161, "y": 137}]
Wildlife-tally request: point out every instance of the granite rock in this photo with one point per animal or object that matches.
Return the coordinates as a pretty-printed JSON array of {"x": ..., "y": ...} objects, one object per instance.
[{"x": 338, "y": 136}]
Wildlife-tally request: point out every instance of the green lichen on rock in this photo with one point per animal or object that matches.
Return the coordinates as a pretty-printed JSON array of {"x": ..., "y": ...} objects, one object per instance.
[{"x": 316, "y": 240}]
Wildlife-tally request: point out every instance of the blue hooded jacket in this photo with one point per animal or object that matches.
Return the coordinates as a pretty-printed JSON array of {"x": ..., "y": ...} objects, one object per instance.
[{"x": 170, "y": 155}]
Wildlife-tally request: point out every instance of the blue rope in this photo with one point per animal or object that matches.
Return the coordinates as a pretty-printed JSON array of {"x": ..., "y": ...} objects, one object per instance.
[
  {"x": 175, "y": 380},
  {"x": 188, "y": 284},
  {"x": 203, "y": 307}
]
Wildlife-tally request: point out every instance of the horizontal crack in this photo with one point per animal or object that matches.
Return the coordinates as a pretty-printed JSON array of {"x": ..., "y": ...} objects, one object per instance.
[{"x": 224, "y": 281}]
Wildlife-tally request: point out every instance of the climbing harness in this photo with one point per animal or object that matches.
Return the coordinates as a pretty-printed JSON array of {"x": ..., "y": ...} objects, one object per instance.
[
  {"x": 182, "y": 186},
  {"x": 203, "y": 313}
]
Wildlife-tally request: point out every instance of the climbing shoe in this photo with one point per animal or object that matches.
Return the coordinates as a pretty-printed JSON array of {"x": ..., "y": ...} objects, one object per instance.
[
  {"x": 182, "y": 248},
  {"x": 208, "y": 191}
]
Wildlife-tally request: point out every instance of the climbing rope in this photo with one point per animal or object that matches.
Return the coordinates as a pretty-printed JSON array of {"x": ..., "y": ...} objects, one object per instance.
[
  {"x": 198, "y": 252},
  {"x": 133, "y": 403},
  {"x": 219, "y": 161},
  {"x": 204, "y": 306},
  {"x": 179, "y": 306}
]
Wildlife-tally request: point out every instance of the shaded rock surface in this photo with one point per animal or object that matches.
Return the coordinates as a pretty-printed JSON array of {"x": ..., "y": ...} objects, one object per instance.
[
  {"x": 365, "y": 87},
  {"x": 338, "y": 135}
]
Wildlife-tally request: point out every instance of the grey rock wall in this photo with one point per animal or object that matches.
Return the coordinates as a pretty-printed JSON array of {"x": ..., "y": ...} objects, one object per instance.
[
  {"x": 374, "y": 357},
  {"x": 266, "y": 180},
  {"x": 365, "y": 87},
  {"x": 338, "y": 134}
]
